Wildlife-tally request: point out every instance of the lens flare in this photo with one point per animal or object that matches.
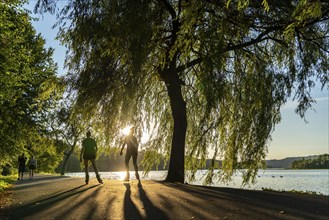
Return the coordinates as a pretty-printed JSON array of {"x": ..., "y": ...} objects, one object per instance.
[{"x": 125, "y": 131}]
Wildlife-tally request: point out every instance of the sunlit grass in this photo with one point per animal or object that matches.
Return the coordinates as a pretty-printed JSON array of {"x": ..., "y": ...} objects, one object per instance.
[{"x": 6, "y": 181}]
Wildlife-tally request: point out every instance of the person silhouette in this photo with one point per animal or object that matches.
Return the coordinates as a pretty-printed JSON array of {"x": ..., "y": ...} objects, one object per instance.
[
  {"x": 21, "y": 166},
  {"x": 88, "y": 153},
  {"x": 132, "y": 151},
  {"x": 32, "y": 166}
]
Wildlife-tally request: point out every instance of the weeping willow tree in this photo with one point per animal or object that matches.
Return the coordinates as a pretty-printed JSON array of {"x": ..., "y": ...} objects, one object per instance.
[{"x": 210, "y": 76}]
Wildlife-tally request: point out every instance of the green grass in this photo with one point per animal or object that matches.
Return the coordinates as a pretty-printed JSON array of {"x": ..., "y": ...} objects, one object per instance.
[
  {"x": 293, "y": 191},
  {"x": 6, "y": 181}
]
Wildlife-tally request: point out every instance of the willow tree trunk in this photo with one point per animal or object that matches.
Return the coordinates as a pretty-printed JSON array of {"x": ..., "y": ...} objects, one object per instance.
[
  {"x": 178, "y": 109},
  {"x": 66, "y": 160}
]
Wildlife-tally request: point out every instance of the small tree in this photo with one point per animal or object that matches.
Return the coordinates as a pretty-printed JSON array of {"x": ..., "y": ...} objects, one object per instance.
[{"x": 63, "y": 129}]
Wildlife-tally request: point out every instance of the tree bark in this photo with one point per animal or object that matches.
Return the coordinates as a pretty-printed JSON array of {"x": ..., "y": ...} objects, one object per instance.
[
  {"x": 178, "y": 109},
  {"x": 66, "y": 160}
]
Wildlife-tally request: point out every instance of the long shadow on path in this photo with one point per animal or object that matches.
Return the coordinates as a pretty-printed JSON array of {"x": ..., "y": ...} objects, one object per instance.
[
  {"x": 130, "y": 210},
  {"x": 259, "y": 203},
  {"x": 152, "y": 212},
  {"x": 38, "y": 181},
  {"x": 29, "y": 209}
]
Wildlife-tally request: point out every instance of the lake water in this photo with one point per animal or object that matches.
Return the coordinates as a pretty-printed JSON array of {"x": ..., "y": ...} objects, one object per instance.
[{"x": 301, "y": 180}]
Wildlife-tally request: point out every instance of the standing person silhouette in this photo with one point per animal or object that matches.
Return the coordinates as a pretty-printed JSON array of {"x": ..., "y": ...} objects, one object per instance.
[
  {"x": 32, "y": 166},
  {"x": 21, "y": 166},
  {"x": 88, "y": 152},
  {"x": 132, "y": 151}
]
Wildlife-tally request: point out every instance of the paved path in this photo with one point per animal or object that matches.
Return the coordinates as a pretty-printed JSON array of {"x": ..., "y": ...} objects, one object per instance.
[{"x": 55, "y": 197}]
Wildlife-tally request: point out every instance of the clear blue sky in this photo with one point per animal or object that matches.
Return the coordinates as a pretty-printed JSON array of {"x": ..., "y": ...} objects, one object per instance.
[{"x": 292, "y": 137}]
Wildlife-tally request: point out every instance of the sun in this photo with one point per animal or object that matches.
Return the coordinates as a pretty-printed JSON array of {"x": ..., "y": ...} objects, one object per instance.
[
  {"x": 145, "y": 135},
  {"x": 125, "y": 131}
]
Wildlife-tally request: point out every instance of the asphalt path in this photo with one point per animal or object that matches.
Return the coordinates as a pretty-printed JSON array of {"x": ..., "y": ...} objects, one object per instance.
[{"x": 58, "y": 197}]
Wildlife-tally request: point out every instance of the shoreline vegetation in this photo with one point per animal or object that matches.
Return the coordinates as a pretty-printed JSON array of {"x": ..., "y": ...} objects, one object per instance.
[{"x": 294, "y": 191}]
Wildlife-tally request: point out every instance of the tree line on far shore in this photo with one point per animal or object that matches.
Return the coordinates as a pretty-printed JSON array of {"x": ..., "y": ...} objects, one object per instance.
[{"x": 322, "y": 162}]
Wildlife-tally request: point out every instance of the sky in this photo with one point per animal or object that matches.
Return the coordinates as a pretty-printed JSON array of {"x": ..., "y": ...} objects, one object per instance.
[{"x": 292, "y": 136}]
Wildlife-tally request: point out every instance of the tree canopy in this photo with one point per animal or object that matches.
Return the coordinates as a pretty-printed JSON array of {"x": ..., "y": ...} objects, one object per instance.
[
  {"x": 210, "y": 76},
  {"x": 27, "y": 80}
]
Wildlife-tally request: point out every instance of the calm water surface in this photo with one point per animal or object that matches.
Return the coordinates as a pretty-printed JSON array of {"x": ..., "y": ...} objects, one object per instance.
[{"x": 301, "y": 180}]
